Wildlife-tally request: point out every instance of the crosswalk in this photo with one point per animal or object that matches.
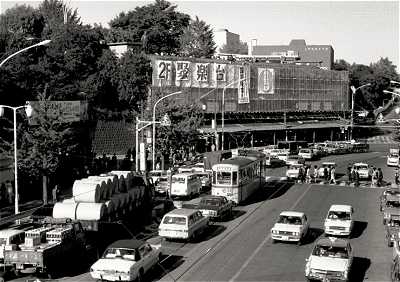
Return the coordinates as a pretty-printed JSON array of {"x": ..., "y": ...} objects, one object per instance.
[{"x": 381, "y": 139}]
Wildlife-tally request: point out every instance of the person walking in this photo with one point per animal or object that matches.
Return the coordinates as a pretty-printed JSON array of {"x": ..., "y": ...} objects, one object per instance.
[
  {"x": 380, "y": 177},
  {"x": 374, "y": 178},
  {"x": 356, "y": 178},
  {"x": 55, "y": 193},
  {"x": 300, "y": 177},
  {"x": 325, "y": 173},
  {"x": 349, "y": 174},
  {"x": 333, "y": 179},
  {"x": 396, "y": 177},
  {"x": 308, "y": 175},
  {"x": 315, "y": 173}
]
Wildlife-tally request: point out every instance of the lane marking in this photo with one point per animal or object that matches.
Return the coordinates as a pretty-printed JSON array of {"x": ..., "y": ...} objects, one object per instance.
[{"x": 250, "y": 258}]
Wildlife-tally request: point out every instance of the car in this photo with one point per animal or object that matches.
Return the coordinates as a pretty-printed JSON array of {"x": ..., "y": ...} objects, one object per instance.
[
  {"x": 126, "y": 260},
  {"x": 326, "y": 165},
  {"x": 293, "y": 171},
  {"x": 339, "y": 220},
  {"x": 364, "y": 170},
  {"x": 215, "y": 207},
  {"x": 155, "y": 174},
  {"x": 391, "y": 206},
  {"x": 307, "y": 154},
  {"x": 271, "y": 161},
  {"x": 295, "y": 159},
  {"x": 205, "y": 178},
  {"x": 283, "y": 156},
  {"x": 395, "y": 192},
  {"x": 162, "y": 185},
  {"x": 393, "y": 228},
  {"x": 291, "y": 226},
  {"x": 330, "y": 260},
  {"x": 393, "y": 160}
]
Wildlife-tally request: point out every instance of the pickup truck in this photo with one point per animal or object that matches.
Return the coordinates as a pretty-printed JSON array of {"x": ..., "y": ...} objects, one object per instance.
[
  {"x": 215, "y": 207},
  {"x": 44, "y": 247}
]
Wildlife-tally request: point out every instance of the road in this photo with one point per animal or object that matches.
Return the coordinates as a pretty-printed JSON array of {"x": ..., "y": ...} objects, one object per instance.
[{"x": 240, "y": 249}]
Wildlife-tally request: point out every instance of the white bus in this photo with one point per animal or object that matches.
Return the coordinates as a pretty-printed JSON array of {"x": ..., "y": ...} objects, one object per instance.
[
  {"x": 239, "y": 177},
  {"x": 185, "y": 184}
]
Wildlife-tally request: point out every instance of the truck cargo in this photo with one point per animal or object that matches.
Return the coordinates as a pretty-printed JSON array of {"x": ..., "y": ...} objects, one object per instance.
[{"x": 44, "y": 247}]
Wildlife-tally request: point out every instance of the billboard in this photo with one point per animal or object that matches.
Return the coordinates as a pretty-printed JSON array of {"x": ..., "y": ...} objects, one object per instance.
[
  {"x": 66, "y": 111},
  {"x": 266, "y": 81}
]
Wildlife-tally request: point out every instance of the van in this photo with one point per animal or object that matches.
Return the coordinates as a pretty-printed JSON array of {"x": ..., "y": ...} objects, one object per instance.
[
  {"x": 183, "y": 224},
  {"x": 185, "y": 184},
  {"x": 9, "y": 240}
]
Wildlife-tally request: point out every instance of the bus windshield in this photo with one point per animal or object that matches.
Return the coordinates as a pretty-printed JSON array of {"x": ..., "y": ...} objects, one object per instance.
[
  {"x": 224, "y": 177},
  {"x": 180, "y": 180}
]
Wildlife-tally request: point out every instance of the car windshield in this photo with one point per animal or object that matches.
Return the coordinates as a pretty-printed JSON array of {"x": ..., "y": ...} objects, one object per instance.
[
  {"x": 339, "y": 215},
  {"x": 393, "y": 156},
  {"x": 180, "y": 220},
  {"x": 128, "y": 254},
  {"x": 330, "y": 251},
  {"x": 395, "y": 222},
  {"x": 211, "y": 202},
  {"x": 155, "y": 173},
  {"x": 289, "y": 219},
  {"x": 162, "y": 179},
  {"x": 391, "y": 192},
  {"x": 393, "y": 204},
  {"x": 180, "y": 180},
  {"x": 361, "y": 166},
  {"x": 294, "y": 167},
  {"x": 3, "y": 241}
]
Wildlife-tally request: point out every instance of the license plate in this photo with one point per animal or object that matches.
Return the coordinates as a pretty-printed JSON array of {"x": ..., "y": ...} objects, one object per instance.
[{"x": 285, "y": 237}]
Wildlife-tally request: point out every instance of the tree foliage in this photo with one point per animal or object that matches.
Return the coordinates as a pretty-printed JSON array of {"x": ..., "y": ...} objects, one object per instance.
[
  {"x": 197, "y": 40},
  {"x": 158, "y": 26},
  {"x": 241, "y": 48}
]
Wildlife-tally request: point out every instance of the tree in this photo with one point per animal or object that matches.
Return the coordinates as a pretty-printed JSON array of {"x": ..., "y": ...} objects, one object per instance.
[
  {"x": 239, "y": 48},
  {"x": 197, "y": 40},
  {"x": 42, "y": 142},
  {"x": 158, "y": 24},
  {"x": 341, "y": 65}
]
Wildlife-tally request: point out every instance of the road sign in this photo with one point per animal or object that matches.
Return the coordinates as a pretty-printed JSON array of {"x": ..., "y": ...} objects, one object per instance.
[{"x": 165, "y": 121}]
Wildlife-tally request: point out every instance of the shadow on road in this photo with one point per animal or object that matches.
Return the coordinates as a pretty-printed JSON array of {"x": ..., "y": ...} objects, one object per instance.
[
  {"x": 359, "y": 268},
  {"x": 358, "y": 228},
  {"x": 271, "y": 191},
  {"x": 313, "y": 235},
  {"x": 212, "y": 231},
  {"x": 166, "y": 265}
]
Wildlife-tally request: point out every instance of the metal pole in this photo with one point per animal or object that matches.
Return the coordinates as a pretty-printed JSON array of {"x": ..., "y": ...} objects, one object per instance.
[
  {"x": 23, "y": 50},
  {"x": 137, "y": 145},
  {"x": 222, "y": 119},
  {"x": 15, "y": 161},
  {"x": 353, "y": 91},
  {"x": 154, "y": 137}
]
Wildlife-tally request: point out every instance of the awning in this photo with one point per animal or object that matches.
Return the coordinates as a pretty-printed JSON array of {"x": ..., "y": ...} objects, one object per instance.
[{"x": 229, "y": 128}]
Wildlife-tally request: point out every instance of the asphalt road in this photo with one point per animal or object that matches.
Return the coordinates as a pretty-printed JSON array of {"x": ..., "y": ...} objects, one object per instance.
[{"x": 240, "y": 249}]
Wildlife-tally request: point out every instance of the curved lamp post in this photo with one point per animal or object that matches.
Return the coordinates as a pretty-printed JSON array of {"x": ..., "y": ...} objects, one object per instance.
[
  {"x": 354, "y": 90},
  {"x": 28, "y": 110}
]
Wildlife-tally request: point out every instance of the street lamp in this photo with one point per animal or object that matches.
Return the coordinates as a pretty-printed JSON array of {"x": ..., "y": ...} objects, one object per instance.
[
  {"x": 28, "y": 110},
  {"x": 223, "y": 110},
  {"x": 354, "y": 90},
  {"x": 44, "y": 42},
  {"x": 166, "y": 121}
]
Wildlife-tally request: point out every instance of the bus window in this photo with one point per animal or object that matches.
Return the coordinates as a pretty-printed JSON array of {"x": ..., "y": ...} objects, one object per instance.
[
  {"x": 224, "y": 177},
  {"x": 234, "y": 178}
]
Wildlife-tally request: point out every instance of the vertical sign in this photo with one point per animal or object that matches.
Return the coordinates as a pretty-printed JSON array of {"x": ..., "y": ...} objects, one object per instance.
[
  {"x": 182, "y": 71},
  {"x": 164, "y": 71},
  {"x": 220, "y": 72},
  {"x": 266, "y": 81},
  {"x": 142, "y": 157},
  {"x": 202, "y": 72},
  {"x": 243, "y": 88}
]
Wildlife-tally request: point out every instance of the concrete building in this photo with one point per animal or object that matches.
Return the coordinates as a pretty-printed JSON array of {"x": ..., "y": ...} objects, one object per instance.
[
  {"x": 224, "y": 37},
  {"x": 297, "y": 50}
]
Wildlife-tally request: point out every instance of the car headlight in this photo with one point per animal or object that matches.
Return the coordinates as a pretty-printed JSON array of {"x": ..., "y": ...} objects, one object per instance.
[
  {"x": 344, "y": 274},
  {"x": 274, "y": 231},
  {"x": 296, "y": 233}
]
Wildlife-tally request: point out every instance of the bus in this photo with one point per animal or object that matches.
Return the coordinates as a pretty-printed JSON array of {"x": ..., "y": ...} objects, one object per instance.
[
  {"x": 239, "y": 177},
  {"x": 292, "y": 146}
]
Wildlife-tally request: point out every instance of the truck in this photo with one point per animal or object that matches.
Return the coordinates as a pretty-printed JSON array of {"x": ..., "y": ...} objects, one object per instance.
[{"x": 44, "y": 246}]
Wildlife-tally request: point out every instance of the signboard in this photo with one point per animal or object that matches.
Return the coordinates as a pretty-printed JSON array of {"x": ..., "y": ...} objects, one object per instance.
[
  {"x": 219, "y": 72},
  {"x": 201, "y": 74},
  {"x": 243, "y": 87},
  {"x": 266, "y": 81},
  {"x": 142, "y": 157},
  {"x": 182, "y": 71},
  {"x": 164, "y": 70},
  {"x": 63, "y": 111}
]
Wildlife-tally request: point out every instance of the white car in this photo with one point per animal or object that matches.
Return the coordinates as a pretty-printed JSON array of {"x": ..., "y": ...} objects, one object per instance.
[
  {"x": 293, "y": 171},
  {"x": 323, "y": 166},
  {"x": 364, "y": 170},
  {"x": 339, "y": 220},
  {"x": 283, "y": 156},
  {"x": 126, "y": 260},
  {"x": 155, "y": 174},
  {"x": 306, "y": 154},
  {"x": 393, "y": 160},
  {"x": 291, "y": 226},
  {"x": 330, "y": 260},
  {"x": 295, "y": 159}
]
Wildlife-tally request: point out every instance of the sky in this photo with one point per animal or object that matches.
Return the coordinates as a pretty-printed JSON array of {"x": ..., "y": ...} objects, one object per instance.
[{"x": 358, "y": 31}]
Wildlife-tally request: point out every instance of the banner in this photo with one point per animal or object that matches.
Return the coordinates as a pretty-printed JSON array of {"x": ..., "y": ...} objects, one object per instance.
[
  {"x": 201, "y": 74},
  {"x": 266, "y": 81},
  {"x": 219, "y": 72},
  {"x": 164, "y": 70},
  {"x": 243, "y": 87},
  {"x": 182, "y": 71}
]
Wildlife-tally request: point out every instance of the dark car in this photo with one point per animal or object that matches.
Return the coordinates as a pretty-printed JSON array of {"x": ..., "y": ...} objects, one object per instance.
[
  {"x": 215, "y": 207},
  {"x": 393, "y": 228},
  {"x": 391, "y": 192},
  {"x": 392, "y": 206}
]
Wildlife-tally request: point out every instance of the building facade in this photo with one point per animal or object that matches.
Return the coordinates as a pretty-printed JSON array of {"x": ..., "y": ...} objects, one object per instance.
[
  {"x": 223, "y": 37},
  {"x": 313, "y": 55}
]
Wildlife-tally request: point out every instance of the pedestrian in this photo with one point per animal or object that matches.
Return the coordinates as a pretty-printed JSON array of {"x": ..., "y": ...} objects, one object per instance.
[
  {"x": 374, "y": 178},
  {"x": 349, "y": 172},
  {"x": 300, "y": 177},
  {"x": 396, "y": 177},
  {"x": 333, "y": 179},
  {"x": 55, "y": 193},
  {"x": 325, "y": 173},
  {"x": 315, "y": 173},
  {"x": 356, "y": 178},
  {"x": 308, "y": 175},
  {"x": 380, "y": 177}
]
